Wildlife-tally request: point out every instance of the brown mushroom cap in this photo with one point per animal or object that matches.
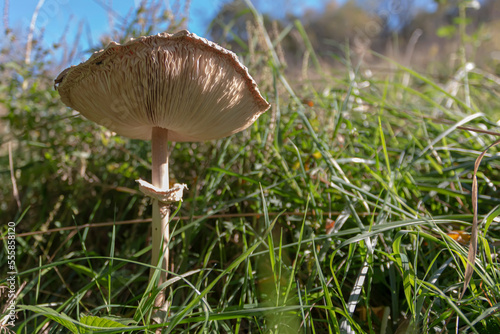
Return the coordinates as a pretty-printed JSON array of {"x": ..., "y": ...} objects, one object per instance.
[{"x": 192, "y": 87}]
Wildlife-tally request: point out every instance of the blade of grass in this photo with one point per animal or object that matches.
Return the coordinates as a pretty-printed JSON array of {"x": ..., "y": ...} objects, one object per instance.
[{"x": 178, "y": 317}]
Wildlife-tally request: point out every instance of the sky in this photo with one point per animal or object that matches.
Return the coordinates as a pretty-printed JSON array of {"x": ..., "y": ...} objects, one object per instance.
[{"x": 58, "y": 18}]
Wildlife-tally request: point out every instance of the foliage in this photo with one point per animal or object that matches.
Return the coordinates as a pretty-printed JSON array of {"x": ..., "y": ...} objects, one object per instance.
[{"x": 347, "y": 206}]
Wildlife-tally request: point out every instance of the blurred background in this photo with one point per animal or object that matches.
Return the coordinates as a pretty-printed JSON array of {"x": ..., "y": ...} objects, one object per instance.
[{"x": 426, "y": 30}]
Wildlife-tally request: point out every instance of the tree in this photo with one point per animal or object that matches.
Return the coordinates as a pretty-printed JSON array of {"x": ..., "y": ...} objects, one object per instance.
[{"x": 336, "y": 25}]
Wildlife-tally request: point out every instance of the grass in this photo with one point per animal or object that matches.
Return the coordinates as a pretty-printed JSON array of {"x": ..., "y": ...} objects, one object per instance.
[{"x": 345, "y": 208}]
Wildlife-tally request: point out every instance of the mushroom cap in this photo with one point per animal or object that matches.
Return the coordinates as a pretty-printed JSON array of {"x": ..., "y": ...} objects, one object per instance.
[{"x": 181, "y": 82}]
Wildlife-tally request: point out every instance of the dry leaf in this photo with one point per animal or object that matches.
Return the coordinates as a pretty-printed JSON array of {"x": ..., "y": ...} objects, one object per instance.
[{"x": 471, "y": 258}]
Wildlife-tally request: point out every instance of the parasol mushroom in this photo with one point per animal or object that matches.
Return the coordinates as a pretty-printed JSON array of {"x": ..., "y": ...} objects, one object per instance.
[{"x": 177, "y": 87}]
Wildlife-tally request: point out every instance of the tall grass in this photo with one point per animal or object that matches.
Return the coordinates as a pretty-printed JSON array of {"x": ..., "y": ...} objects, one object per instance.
[{"x": 346, "y": 208}]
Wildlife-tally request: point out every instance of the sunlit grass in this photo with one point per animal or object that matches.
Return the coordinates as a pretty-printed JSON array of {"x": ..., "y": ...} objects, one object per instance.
[{"x": 346, "y": 207}]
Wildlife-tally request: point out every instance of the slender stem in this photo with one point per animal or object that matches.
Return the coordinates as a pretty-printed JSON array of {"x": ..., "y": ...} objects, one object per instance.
[{"x": 161, "y": 211}]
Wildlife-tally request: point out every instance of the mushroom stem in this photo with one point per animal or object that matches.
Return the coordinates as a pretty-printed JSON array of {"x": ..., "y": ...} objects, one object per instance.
[{"x": 161, "y": 211}]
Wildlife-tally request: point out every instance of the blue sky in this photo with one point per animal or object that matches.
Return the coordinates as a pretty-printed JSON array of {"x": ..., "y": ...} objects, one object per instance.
[{"x": 62, "y": 17}]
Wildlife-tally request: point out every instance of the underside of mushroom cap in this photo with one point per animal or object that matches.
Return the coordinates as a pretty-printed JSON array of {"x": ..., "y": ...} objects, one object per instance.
[{"x": 184, "y": 83}]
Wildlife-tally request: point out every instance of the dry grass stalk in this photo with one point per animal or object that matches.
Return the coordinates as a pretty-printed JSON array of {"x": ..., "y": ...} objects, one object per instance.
[
  {"x": 29, "y": 42},
  {"x": 471, "y": 258}
]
